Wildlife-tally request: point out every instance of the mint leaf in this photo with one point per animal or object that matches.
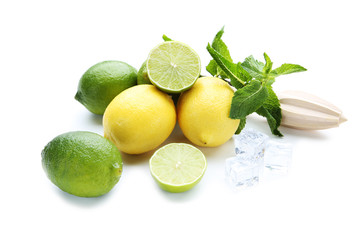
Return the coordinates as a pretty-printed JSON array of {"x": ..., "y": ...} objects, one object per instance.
[
  {"x": 242, "y": 73},
  {"x": 248, "y": 99},
  {"x": 219, "y": 46},
  {"x": 268, "y": 64},
  {"x": 253, "y": 67},
  {"x": 231, "y": 69},
  {"x": 166, "y": 38},
  {"x": 241, "y": 125},
  {"x": 212, "y": 68},
  {"x": 287, "y": 68},
  {"x": 270, "y": 80},
  {"x": 262, "y": 111},
  {"x": 271, "y": 111}
]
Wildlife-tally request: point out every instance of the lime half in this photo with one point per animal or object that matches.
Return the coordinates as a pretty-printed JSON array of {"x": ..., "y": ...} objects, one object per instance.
[
  {"x": 173, "y": 66},
  {"x": 177, "y": 167}
]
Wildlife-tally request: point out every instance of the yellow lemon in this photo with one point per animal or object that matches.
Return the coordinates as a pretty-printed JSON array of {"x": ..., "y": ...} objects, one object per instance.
[
  {"x": 203, "y": 112},
  {"x": 139, "y": 119}
]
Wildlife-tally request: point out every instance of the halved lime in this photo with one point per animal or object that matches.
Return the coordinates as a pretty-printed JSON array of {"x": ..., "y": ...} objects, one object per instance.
[
  {"x": 177, "y": 167},
  {"x": 173, "y": 66}
]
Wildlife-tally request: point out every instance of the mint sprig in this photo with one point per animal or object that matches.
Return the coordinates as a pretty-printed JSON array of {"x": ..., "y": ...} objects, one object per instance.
[
  {"x": 253, "y": 80},
  {"x": 222, "y": 49}
]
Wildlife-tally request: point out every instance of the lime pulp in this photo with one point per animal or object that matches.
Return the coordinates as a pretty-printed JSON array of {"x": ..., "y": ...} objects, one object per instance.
[
  {"x": 177, "y": 167},
  {"x": 173, "y": 66}
]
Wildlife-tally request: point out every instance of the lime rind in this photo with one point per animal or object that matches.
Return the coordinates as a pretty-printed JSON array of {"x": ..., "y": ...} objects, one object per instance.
[
  {"x": 177, "y": 167},
  {"x": 173, "y": 66},
  {"x": 82, "y": 163}
]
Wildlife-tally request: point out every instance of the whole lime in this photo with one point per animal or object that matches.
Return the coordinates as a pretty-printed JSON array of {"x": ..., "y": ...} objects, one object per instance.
[
  {"x": 102, "y": 82},
  {"x": 84, "y": 164},
  {"x": 142, "y": 77}
]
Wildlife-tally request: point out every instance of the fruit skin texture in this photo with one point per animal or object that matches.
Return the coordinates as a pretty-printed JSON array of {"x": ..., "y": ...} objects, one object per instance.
[
  {"x": 139, "y": 119},
  {"x": 203, "y": 112},
  {"x": 142, "y": 77},
  {"x": 81, "y": 163},
  {"x": 102, "y": 82}
]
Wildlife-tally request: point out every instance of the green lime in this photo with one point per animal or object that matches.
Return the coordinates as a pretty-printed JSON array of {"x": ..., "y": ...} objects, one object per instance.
[
  {"x": 173, "y": 66},
  {"x": 84, "y": 164},
  {"x": 103, "y": 82},
  {"x": 142, "y": 77},
  {"x": 177, "y": 167}
]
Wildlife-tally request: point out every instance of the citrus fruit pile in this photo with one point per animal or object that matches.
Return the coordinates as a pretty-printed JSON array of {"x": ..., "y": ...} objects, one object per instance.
[{"x": 140, "y": 110}]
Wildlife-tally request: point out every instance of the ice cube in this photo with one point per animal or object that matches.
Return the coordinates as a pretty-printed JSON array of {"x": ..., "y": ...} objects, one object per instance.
[
  {"x": 250, "y": 142},
  {"x": 277, "y": 156},
  {"x": 242, "y": 172}
]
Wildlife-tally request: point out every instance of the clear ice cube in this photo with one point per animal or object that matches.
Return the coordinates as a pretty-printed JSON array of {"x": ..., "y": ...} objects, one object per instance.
[
  {"x": 242, "y": 172},
  {"x": 255, "y": 150},
  {"x": 277, "y": 156},
  {"x": 251, "y": 143}
]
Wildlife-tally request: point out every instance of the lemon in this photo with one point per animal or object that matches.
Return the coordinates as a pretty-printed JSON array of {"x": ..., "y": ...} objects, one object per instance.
[
  {"x": 177, "y": 167},
  {"x": 84, "y": 164},
  {"x": 203, "y": 112},
  {"x": 173, "y": 66},
  {"x": 102, "y": 82},
  {"x": 139, "y": 119}
]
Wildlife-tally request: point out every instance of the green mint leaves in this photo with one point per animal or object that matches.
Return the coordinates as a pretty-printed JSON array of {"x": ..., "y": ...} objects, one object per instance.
[
  {"x": 213, "y": 67},
  {"x": 253, "y": 80},
  {"x": 234, "y": 72},
  {"x": 287, "y": 68},
  {"x": 248, "y": 99},
  {"x": 271, "y": 111}
]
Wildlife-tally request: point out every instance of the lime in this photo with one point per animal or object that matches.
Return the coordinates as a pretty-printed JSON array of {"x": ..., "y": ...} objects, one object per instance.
[
  {"x": 177, "y": 167},
  {"x": 102, "y": 82},
  {"x": 81, "y": 163},
  {"x": 173, "y": 66},
  {"x": 142, "y": 77},
  {"x": 139, "y": 119}
]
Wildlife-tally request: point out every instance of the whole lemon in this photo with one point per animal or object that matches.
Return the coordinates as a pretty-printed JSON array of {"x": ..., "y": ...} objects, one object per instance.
[
  {"x": 82, "y": 163},
  {"x": 139, "y": 119},
  {"x": 102, "y": 82},
  {"x": 203, "y": 112}
]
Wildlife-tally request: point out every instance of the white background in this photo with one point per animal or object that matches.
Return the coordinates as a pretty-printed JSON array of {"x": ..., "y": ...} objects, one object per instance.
[{"x": 45, "y": 47}]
